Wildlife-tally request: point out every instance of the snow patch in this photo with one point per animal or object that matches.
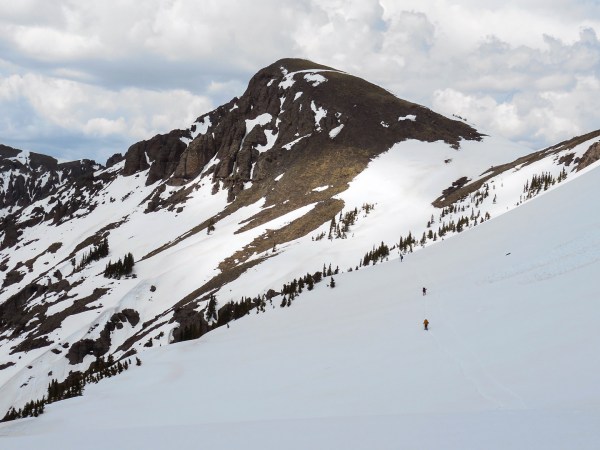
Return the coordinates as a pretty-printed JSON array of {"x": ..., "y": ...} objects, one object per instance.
[
  {"x": 288, "y": 79},
  {"x": 408, "y": 117},
  {"x": 271, "y": 139},
  {"x": 287, "y": 82},
  {"x": 320, "y": 113},
  {"x": 261, "y": 120},
  {"x": 335, "y": 131},
  {"x": 297, "y": 96},
  {"x": 321, "y": 188},
  {"x": 315, "y": 79},
  {"x": 279, "y": 177},
  {"x": 201, "y": 128},
  {"x": 289, "y": 145}
]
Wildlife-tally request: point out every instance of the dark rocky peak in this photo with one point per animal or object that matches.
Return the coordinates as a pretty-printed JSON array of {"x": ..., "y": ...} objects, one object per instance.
[{"x": 294, "y": 112}]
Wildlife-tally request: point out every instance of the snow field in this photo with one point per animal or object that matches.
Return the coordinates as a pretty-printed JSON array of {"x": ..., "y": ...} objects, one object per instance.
[
  {"x": 508, "y": 361},
  {"x": 401, "y": 183}
]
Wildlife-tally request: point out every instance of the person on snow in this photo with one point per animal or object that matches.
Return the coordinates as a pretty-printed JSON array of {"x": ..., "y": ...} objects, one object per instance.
[
  {"x": 424, "y": 291},
  {"x": 426, "y": 324}
]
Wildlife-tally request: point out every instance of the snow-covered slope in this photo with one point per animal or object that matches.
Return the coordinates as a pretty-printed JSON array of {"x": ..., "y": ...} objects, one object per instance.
[
  {"x": 509, "y": 360},
  {"x": 351, "y": 183},
  {"x": 399, "y": 185}
]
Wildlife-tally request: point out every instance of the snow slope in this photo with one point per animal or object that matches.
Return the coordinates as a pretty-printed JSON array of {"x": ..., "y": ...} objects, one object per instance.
[{"x": 509, "y": 361}]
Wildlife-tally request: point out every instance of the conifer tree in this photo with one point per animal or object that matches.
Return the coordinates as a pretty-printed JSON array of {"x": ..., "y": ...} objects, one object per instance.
[{"x": 211, "y": 310}]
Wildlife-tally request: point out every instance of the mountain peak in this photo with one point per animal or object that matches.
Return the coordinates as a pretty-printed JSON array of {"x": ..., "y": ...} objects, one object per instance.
[{"x": 294, "y": 112}]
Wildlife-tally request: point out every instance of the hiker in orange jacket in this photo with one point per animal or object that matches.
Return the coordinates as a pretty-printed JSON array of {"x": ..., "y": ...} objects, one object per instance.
[{"x": 426, "y": 324}]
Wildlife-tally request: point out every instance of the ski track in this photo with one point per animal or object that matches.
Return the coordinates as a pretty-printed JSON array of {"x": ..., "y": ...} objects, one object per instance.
[
  {"x": 455, "y": 347},
  {"x": 581, "y": 252}
]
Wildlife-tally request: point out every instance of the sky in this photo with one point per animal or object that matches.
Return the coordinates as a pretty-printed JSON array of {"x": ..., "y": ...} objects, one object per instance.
[{"x": 86, "y": 79}]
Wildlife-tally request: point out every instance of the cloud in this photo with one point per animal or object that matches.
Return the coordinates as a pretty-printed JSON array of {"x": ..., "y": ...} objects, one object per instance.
[
  {"x": 535, "y": 96},
  {"x": 88, "y": 75},
  {"x": 91, "y": 111},
  {"x": 47, "y": 44}
]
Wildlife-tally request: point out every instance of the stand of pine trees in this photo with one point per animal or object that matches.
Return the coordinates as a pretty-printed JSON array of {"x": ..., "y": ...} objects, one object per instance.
[
  {"x": 72, "y": 386},
  {"x": 542, "y": 182},
  {"x": 97, "y": 252},
  {"x": 379, "y": 253},
  {"x": 340, "y": 229},
  {"x": 215, "y": 318},
  {"x": 120, "y": 268},
  {"x": 406, "y": 244}
]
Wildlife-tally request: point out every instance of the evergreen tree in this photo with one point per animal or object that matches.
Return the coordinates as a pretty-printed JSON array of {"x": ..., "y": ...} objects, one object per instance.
[
  {"x": 211, "y": 310},
  {"x": 120, "y": 268}
]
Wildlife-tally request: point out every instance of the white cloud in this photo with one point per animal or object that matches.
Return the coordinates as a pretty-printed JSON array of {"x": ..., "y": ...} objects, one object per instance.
[
  {"x": 527, "y": 70},
  {"x": 94, "y": 111},
  {"x": 99, "y": 126},
  {"x": 47, "y": 44}
]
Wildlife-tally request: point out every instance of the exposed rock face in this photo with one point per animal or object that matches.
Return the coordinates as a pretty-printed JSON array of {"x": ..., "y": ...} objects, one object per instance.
[
  {"x": 163, "y": 151},
  {"x": 99, "y": 347},
  {"x": 32, "y": 176},
  {"x": 298, "y": 99},
  {"x": 27, "y": 177},
  {"x": 591, "y": 156},
  {"x": 114, "y": 159}
]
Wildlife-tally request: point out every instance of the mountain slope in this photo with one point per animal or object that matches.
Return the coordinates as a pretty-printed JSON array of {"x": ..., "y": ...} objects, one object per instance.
[
  {"x": 508, "y": 361},
  {"x": 311, "y": 167}
]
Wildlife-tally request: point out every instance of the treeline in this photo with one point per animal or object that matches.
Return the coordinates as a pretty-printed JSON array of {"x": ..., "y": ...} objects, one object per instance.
[
  {"x": 97, "y": 252},
  {"x": 296, "y": 286},
  {"x": 214, "y": 317},
  {"x": 120, "y": 268},
  {"x": 542, "y": 182},
  {"x": 72, "y": 386}
]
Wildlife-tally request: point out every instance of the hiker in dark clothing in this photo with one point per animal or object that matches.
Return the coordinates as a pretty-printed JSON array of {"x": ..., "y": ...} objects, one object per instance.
[
  {"x": 424, "y": 291},
  {"x": 426, "y": 324}
]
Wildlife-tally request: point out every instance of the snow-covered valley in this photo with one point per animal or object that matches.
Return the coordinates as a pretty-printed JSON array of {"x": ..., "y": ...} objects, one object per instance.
[{"x": 509, "y": 360}]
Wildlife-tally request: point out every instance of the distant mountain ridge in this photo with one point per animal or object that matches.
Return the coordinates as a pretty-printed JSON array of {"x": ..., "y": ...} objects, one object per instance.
[{"x": 29, "y": 176}]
